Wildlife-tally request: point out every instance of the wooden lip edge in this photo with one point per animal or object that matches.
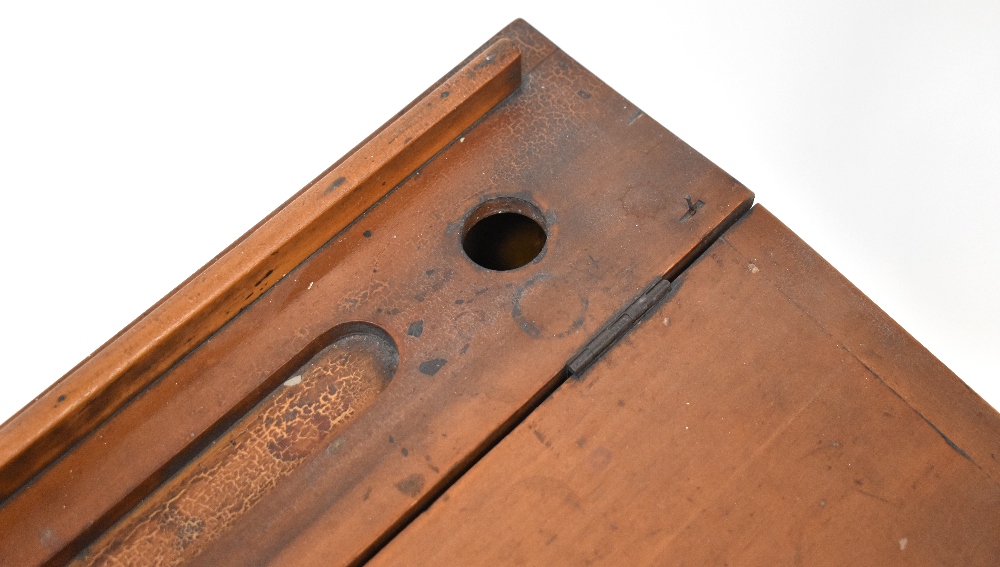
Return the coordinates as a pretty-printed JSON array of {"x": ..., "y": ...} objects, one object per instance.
[
  {"x": 96, "y": 388},
  {"x": 526, "y": 68}
]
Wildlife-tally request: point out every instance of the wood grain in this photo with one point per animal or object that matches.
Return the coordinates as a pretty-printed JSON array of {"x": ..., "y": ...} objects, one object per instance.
[{"x": 891, "y": 354}]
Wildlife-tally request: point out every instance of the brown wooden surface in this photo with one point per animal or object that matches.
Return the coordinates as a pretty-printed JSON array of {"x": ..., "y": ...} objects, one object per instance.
[
  {"x": 99, "y": 386},
  {"x": 765, "y": 414},
  {"x": 477, "y": 348}
]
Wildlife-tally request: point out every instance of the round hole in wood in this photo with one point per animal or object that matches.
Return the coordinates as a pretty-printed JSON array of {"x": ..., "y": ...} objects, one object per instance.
[{"x": 504, "y": 234}]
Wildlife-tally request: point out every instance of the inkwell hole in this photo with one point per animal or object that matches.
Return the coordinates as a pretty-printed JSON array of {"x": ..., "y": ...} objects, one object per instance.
[{"x": 504, "y": 234}]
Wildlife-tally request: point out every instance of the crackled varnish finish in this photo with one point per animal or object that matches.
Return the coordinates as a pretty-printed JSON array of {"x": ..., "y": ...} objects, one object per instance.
[
  {"x": 352, "y": 382},
  {"x": 230, "y": 477}
]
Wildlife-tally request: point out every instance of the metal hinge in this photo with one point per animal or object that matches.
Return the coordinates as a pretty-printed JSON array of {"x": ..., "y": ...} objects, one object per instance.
[{"x": 617, "y": 328}]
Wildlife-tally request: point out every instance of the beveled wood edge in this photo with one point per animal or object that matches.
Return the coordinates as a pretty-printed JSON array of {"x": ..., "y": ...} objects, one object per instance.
[
  {"x": 963, "y": 419},
  {"x": 97, "y": 387}
]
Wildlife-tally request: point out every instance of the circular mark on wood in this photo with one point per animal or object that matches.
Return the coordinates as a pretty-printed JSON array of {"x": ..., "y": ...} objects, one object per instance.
[
  {"x": 549, "y": 307},
  {"x": 412, "y": 485}
]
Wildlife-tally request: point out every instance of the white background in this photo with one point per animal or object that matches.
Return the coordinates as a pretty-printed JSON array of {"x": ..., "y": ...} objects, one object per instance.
[{"x": 137, "y": 141}]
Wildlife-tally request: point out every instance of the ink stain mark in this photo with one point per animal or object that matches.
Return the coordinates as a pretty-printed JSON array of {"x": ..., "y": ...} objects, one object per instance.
[
  {"x": 336, "y": 183},
  {"x": 693, "y": 208},
  {"x": 269, "y": 272},
  {"x": 367, "y": 234},
  {"x": 412, "y": 485},
  {"x": 484, "y": 63},
  {"x": 391, "y": 440},
  {"x": 583, "y": 94},
  {"x": 430, "y": 272},
  {"x": 431, "y": 367},
  {"x": 416, "y": 329},
  {"x": 459, "y": 301},
  {"x": 529, "y": 308},
  {"x": 405, "y": 452},
  {"x": 464, "y": 348},
  {"x": 541, "y": 438},
  {"x": 445, "y": 94},
  {"x": 61, "y": 399},
  {"x": 367, "y": 493}
]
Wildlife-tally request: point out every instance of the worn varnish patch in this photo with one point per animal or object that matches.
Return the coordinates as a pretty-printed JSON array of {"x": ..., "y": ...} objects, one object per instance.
[{"x": 230, "y": 477}]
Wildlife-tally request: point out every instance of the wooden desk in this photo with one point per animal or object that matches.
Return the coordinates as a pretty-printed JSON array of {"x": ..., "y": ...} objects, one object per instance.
[{"x": 521, "y": 323}]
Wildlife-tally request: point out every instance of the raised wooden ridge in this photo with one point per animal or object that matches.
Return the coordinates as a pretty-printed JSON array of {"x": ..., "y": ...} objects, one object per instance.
[{"x": 96, "y": 388}]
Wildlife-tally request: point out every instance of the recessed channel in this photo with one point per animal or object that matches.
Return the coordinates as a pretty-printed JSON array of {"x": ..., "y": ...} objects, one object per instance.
[
  {"x": 504, "y": 234},
  {"x": 318, "y": 393}
]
